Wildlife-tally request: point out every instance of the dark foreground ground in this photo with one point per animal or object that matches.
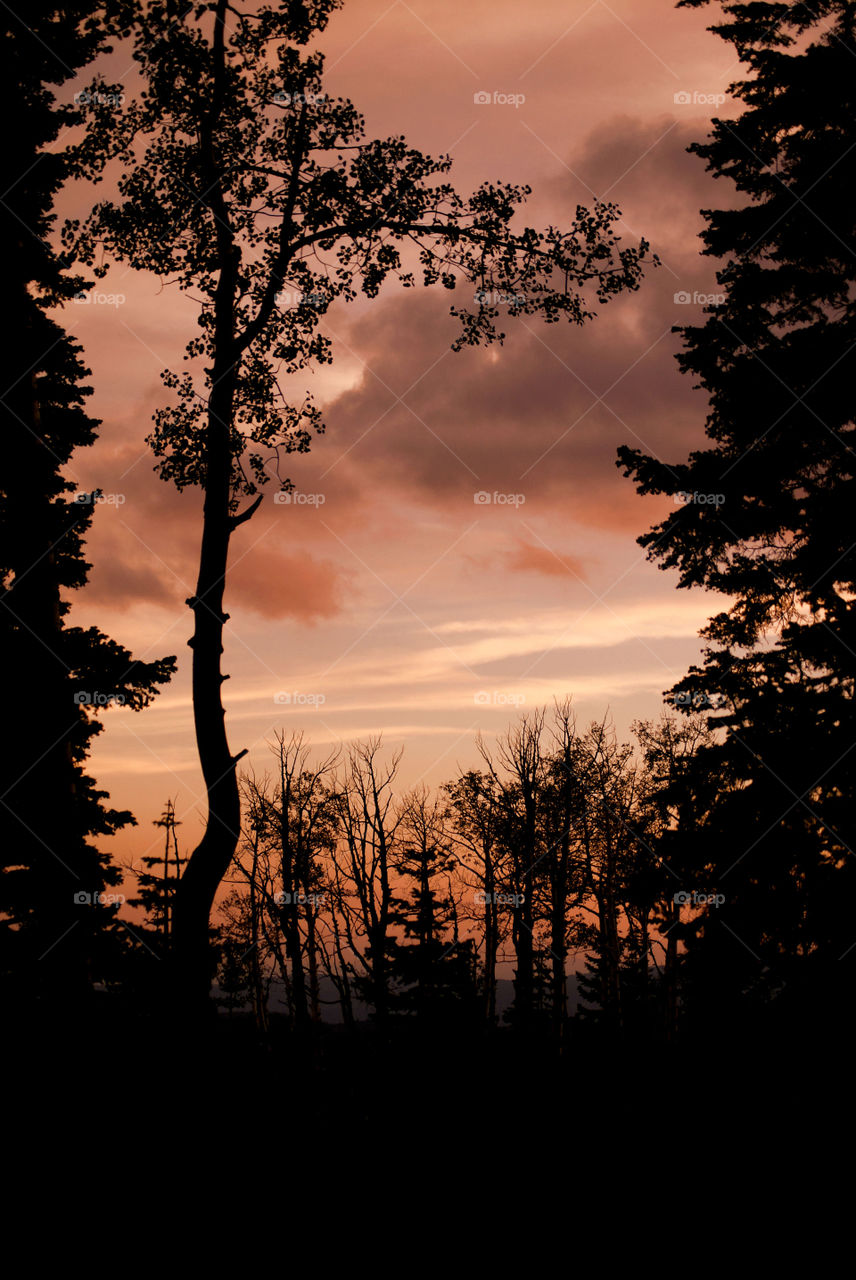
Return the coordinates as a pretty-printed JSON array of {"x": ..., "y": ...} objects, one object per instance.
[
  {"x": 425, "y": 1149},
  {"x": 422, "y": 1086}
]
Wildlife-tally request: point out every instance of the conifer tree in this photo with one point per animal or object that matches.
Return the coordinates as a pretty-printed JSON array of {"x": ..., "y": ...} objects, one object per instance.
[
  {"x": 774, "y": 529},
  {"x": 434, "y": 969},
  {"x": 57, "y": 678},
  {"x": 156, "y": 885}
]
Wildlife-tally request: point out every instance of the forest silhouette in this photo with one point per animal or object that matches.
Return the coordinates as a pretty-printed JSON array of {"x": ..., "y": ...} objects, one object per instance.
[{"x": 566, "y": 901}]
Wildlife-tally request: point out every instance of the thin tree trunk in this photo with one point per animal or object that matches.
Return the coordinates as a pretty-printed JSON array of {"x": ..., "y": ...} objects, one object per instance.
[
  {"x": 491, "y": 942},
  {"x": 210, "y": 860}
]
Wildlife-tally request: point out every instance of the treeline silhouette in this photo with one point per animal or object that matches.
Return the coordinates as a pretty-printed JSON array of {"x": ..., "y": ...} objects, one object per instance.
[
  {"x": 410, "y": 904},
  {"x": 566, "y": 857}
]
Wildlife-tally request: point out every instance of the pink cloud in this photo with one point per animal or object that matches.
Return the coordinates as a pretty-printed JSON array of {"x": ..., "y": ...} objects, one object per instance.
[{"x": 528, "y": 558}]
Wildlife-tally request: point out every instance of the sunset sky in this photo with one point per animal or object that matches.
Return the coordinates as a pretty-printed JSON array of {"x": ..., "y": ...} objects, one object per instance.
[{"x": 392, "y": 601}]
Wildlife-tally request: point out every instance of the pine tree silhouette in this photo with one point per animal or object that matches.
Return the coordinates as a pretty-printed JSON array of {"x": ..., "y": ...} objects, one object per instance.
[
  {"x": 157, "y": 884},
  {"x": 55, "y": 936},
  {"x": 765, "y": 511}
]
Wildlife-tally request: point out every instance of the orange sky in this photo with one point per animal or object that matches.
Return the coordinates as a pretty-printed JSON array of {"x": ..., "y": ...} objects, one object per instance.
[{"x": 392, "y": 601}]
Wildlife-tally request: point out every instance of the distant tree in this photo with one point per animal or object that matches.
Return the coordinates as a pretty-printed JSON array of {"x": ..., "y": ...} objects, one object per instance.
[
  {"x": 476, "y": 819},
  {"x": 363, "y": 875},
  {"x": 54, "y": 932},
  {"x": 156, "y": 885},
  {"x": 774, "y": 529},
  {"x": 274, "y": 909},
  {"x": 563, "y": 870},
  {"x": 235, "y": 972},
  {"x": 245, "y": 184},
  {"x": 304, "y": 814},
  {"x": 434, "y": 972},
  {"x": 518, "y": 770},
  {"x": 248, "y": 915},
  {"x": 680, "y": 786},
  {"x": 253, "y": 906},
  {"x": 336, "y": 961},
  {"x": 611, "y": 848},
  {"x": 295, "y": 815}
]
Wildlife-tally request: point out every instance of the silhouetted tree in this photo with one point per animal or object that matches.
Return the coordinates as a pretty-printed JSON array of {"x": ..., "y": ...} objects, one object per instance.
[
  {"x": 681, "y": 784},
  {"x": 519, "y": 774},
  {"x": 258, "y": 897},
  {"x": 249, "y": 914},
  {"x": 57, "y": 678},
  {"x": 433, "y": 968},
  {"x": 332, "y": 939},
  {"x": 303, "y": 816},
  {"x": 773, "y": 530},
  {"x": 235, "y": 971},
  {"x": 289, "y": 831},
  {"x": 364, "y": 857},
  {"x": 157, "y": 884},
  {"x": 610, "y": 820},
  {"x": 564, "y": 870},
  {"x": 476, "y": 818}
]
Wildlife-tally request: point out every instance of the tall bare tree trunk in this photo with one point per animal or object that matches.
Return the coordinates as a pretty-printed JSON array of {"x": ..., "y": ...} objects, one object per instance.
[{"x": 211, "y": 858}]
